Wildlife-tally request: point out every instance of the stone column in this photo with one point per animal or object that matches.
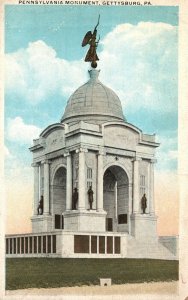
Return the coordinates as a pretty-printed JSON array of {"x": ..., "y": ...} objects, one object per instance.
[
  {"x": 115, "y": 191},
  {"x": 148, "y": 191},
  {"x": 130, "y": 187},
  {"x": 136, "y": 186},
  {"x": 36, "y": 188},
  {"x": 46, "y": 188},
  {"x": 100, "y": 182},
  {"x": 69, "y": 182},
  {"x": 81, "y": 180},
  {"x": 151, "y": 202}
]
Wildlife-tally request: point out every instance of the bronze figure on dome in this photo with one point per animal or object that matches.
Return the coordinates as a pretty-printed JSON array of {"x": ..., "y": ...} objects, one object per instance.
[{"x": 90, "y": 39}]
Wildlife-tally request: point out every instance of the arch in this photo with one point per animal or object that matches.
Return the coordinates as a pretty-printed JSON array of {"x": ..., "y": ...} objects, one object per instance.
[
  {"x": 123, "y": 124},
  {"x": 116, "y": 198},
  {"x": 50, "y": 128},
  {"x": 59, "y": 190},
  {"x": 55, "y": 169},
  {"x": 116, "y": 163}
]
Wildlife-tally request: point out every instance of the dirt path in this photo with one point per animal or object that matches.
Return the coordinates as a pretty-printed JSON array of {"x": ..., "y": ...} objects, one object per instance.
[{"x": 162, "y": 288}]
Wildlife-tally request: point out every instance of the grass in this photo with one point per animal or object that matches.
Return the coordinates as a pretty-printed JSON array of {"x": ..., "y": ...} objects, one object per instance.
[{"x": 23, "y": 273}]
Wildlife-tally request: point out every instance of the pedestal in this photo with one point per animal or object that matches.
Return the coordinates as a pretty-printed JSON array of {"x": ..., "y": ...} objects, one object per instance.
[
  {"x": 85, "y": 221},
  {"x": 143, "y": 226},
  {"x": 41, "y": 223}
]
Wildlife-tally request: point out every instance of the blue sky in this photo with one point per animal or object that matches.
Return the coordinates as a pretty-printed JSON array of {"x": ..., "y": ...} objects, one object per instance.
[{"x": 44, "y": 65}]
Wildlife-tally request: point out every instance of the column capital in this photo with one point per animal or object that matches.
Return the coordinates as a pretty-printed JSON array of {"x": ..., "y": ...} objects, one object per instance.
[
  {"x": 81, "y": 149},
  {"x": 67, "y": 153},
  {"x": 101, "y": 151},
  {"x": 46, "y": 161},
  {"x": 136, "y": 158},
  {"x": 153, "y": 161}
]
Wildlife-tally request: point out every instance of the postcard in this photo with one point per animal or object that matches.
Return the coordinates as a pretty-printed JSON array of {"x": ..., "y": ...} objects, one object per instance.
[{"x": 94, "y": 136}]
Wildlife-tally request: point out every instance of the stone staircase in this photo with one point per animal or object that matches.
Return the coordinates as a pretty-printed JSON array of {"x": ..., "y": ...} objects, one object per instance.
[{"x": 148, "y": 248}]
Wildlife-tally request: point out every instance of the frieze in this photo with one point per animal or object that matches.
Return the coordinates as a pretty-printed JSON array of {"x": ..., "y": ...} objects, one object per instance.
[
  {"x": 122, "y": 138},
  {"x": 128, "y": 139}
]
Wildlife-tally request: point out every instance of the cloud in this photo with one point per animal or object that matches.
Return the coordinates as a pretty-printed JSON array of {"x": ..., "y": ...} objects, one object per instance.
[
  {"x": 37, "y": 73},
  {"x": 167, "y": 153},
  {"x": 20, "y": 132},
  {"x": 138, "y": 61}
]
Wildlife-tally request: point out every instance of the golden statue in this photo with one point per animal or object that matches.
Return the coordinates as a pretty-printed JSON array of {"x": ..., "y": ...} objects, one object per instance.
[{"x": 90, "y": 39}]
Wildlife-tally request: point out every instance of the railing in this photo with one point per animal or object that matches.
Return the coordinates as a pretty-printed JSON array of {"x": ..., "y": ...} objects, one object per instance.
[{"x": 31, "y": 244}]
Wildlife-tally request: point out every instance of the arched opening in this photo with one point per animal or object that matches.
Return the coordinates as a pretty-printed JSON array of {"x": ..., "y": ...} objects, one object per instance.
[
  {"x": 116, "y": 198},
  {"x": 59, "y": 197}
]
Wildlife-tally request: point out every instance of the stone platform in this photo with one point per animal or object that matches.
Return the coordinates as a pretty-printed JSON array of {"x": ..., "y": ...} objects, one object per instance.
[{"x": 93, "y": 245}]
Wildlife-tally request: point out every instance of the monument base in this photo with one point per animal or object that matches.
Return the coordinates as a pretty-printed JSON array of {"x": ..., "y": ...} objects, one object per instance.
[
  {"x": 42, "y": 223},
  {"x": 86, "y": 220},
  {"x": 143, "y": 226}
]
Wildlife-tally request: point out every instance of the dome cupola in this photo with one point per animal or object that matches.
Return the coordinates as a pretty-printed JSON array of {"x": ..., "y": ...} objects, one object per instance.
[{"x": 93, "y": 102}]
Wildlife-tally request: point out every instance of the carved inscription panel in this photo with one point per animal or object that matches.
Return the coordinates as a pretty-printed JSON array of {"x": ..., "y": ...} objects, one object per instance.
[
  {"x": 120, "y": 137},
  {"x": 55, "y": 140}
]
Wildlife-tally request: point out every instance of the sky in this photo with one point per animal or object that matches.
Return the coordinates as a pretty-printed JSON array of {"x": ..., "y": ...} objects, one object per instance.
[{"x": 44, "y": 64}]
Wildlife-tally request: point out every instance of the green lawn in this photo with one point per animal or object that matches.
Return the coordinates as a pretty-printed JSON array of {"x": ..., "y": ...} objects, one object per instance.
[{"x": 25, "y": 273}]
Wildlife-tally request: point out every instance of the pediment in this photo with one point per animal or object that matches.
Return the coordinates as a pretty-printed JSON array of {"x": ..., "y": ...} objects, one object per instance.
[
  {"x": 53, "y": 137},
  {"x": 121, "y": 136}
]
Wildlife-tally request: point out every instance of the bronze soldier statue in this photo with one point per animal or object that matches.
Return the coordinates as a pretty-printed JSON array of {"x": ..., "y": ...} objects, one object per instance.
[
  {"x": 144, "y": 203},
  {"x": 90, "y": 38},
  {"x": 74, "y": 198},
  {"x": 90, "y": 196},
  {"x": 40, "y": 206}
]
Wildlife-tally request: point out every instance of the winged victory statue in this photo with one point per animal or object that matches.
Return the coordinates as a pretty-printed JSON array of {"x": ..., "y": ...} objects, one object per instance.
[{"x": 90, "y": 39}]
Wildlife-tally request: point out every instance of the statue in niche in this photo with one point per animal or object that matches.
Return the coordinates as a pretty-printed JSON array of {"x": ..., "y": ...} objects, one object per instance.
[
  {"x": 90, "y": 196},
  {"x": 74, "y": 199},
  {"x": 144, "y": 203},
  {"x": 40, "y": 206},
  {"x": 90, "y": 39}
]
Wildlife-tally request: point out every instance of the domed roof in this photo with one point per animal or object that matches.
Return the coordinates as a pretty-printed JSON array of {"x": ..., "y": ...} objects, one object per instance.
[{"x": 93, "y": 102}]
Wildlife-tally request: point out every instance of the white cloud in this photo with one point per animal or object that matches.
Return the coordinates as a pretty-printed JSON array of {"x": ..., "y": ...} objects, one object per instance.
[
  {"x": 167, "y": 153},
  {"x": 20, "y": 132},
  {"x": 140, "y": 62},
  {"x": 173, "y": 154},
  {"x": 137, "y": 61},
  {"x": 36, "y": 73}
]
